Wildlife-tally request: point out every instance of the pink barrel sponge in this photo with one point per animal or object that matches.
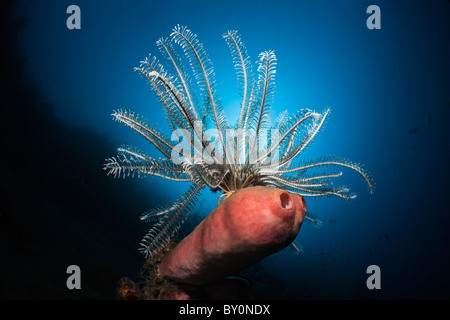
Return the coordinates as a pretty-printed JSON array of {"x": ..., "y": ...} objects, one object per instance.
[{"x": 246, "y": 227}]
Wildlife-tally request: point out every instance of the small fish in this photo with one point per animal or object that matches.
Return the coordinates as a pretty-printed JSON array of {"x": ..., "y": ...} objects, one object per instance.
[
  {"x": 332, "y": 221},
  {"x": 414, "y": 130},
  {"x": 78, "y": 180}
]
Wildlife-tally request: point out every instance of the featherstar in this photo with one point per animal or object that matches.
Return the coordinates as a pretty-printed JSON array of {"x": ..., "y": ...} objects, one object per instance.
[{"x": 251, "y": 153}]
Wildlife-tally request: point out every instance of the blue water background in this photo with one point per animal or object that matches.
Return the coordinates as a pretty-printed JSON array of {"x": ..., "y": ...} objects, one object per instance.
[{"x": 379, "y": 84}]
